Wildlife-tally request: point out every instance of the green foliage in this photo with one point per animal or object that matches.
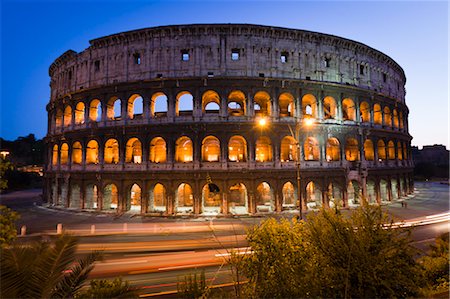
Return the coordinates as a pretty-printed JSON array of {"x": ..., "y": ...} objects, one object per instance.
[
  {"x": 44, "y": 270},
  {"x": 193, "y": 286},
  {"x": 108, "y": 289},
  {"x": 436, "y": 264},
  {"x": 8, "y": 230},
  {"x": 4, "y": 167}
]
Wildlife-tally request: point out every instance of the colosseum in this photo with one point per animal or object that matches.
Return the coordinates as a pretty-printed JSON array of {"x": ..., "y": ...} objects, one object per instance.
[{"x": 225, "y": 119}]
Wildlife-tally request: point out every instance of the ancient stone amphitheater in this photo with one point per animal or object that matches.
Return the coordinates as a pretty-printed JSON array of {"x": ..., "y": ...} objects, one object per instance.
[{"x": 209, "y": 119}]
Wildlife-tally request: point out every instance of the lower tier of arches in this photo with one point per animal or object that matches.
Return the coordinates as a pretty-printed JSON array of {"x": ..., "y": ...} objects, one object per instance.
[{"x": 223, "y": 193}]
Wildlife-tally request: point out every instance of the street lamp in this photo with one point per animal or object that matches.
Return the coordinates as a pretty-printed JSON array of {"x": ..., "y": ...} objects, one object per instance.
[{"x": 308, "y": 121}]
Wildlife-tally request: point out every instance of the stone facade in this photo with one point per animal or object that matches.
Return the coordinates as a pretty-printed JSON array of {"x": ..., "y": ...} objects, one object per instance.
[{"x": 143, "y": 120}]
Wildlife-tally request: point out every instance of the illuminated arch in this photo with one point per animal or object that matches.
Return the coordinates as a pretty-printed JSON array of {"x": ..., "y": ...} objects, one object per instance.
[
  {"x": 395, "y": 117},
  {"x": 184, "y": 104},
  {"x": 184, "y": 150},
  {"x": 364, "y": 112},
  {"x": 158, "y": 150},
  {"x": 64, "y": 154},
  {"x": 135, "y": 198},
  {"x": 238, "y": 199},
  {"x": 184, "y": 198},
  {"x": 92, "y": 152},
  {"x": 377, "y": 114},
  {"x": 288, "y": 149},
  {"x": 348, "y": 109},
  {"x": 264, "y": 198},
  {"x": 211, "y": 149},
  {"x": 387, "y": 116},
  {"x": 329, "y": 108},
  {"x": 114, "y": 108},
  {"x": 399, "y": 150},
  {"x": 262, "y": 104},
  {"x": 110, "y": 197},
  {"x": 351, "y": 150},
  {"x": 263, "y": 149},
  {"x": 309, "y": 105},
  {"x": 58, "y": 118},
  {"x": 313, "y": 195},
  {"x": 77, "y": 153},
  {"x": 210, "y": 102},
  {"x": 67, "y": 116},
  {"x": 111, "y": 152},
  {"x": 311, "y": 149},
  {"x": 211, "y": 200},
  {"x": 55, "y": 155},
  {"x": 401, "y": 124},
  {"x": 133, "y": 151},
  {"x": 159, "y": 198},
  {"x": 391, "y": 150},
  {"x": 236, "y": 103},
  {"x": 237, "y": 149},
  {"x": 381, "y": 150},
  {"x": 368, "y": 150},
  {"x": 79, "y": 113},
  {"x": 95, "y": 110},
  {"x": 91, "y": 197},
  {"x": 286, "y": 104},
  {"x": 333, "y": 150},
  {"x": 135, "y": 106},
  {"x": 289, "y": 195}
]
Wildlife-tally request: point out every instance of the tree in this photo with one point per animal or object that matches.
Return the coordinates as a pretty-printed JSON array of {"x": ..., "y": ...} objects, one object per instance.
[
  {"x": 108, "y": 289},
  {"x": 4, "y": 167},
  {"x": 44, "y": 270},
  {"x": 8, "y": 230},
  {"x": 436, "y": 265}
]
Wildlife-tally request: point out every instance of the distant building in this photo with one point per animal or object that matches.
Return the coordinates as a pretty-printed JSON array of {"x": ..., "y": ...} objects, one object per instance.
[{"x": 436, "y": 154}]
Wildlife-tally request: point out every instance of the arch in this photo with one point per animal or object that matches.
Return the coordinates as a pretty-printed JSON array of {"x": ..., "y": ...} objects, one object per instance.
[
  {"x": 158, "y": 198},
  {"x": 309, "y": 105},
  {"x": 91, "y": 197},
  {"x": 110, "y": 197},
  {"x": 159, "y": 105},
  {"x": 368, "y": 150},
  {"x": 58, "y": 118},
  {"x": 261, "y": 100},
  {"x": 329, "y": 108},
  {"x": 384, "y": 190},
  {"x": 286, "y": 104},
  {"x": 381, "y": 150},
  {"x": 55, "y": 155},
  {"x": 134, "y": 198},
  {"x": 353, "y": 192},
  {"x": 79, "y": 113},
  {"x": 133, "y": 151},
  {"x": 387, "y": 116},
  {"x": 311, "y": 149},
  {"x": 313, "y": 195},
  {"x": 158, "y": 150},
  {"x": 95, "y": 109},
  {"x": 394, "y": 189},
  {"x": 289, "y": 195},
  {"x": 335, "y": 195},
  {"x": 77, "y": 153},
  {"x": 111, "y": 152},
  {"x": 395, "y": 117},
  {"x": 184, "y": 104},
  {"x": 264, "y": 198},
  {"x": 351, "y": 150},
  {"x": 263, "y": 149},
  {"x": 236, "y": 103},
  {"x": 211, "y": 201},
  {"x": 399, "y": 151},
  {"x": 184, "y": 198},
  {"x": 75, "y": 196},
  {"x": 114, "y": 108},
  {"x": 64, "y": 154},
  {"x": 333, "y": 150},
  {"x": 184, "y": 150},
  {"x": 210, "y": 102},
  {"x": 364, "y": 112},
  {"x": 210, "y": 149},
  {"x": 401, "y": 124},
  {"x": 348, "y": 109},
  {"x": 391, "y": 150},
  {"x": 92, "y": 152},
  {"x": 237, "y": 149},
  {"x": 135, "y": 106},
  {"x": 238, "y": 199},
  {"x": 377, "y": 114},
  {"x": 288, "y": 149},
  {"x": 67, "y": 116},
  {"x": 405, "y": 152},
  {"x": 371, "y": 196}
]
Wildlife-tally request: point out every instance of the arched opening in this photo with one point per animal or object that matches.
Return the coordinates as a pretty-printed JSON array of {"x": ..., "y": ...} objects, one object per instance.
[
  {"x": 237, "y": 149},
  {"x": 64, "y": 154},
  {"x": 405, "y": 152},
  {"x": 184, "y": 150},
  {"x": 335, "y": 196},
  {"x": 236, "y": 103},
  {"x": 77, "y": 153},
  {"x": 391, "y": 150},
  {"x": 159, "y": 105},
  {"x": 238, "y": 200},
  {"x": 135, "y": 198},
  {"x": 288, "y": 150},
  {"x": 184, "y": 199},
  {"x": 59, "y": 118},
  {"x": 395, "y": 116},
  {"x": 384, "y": 191},
  {"x": 286, "y": 104},
  {"x": 401, "y": 124},
  {"x": 387, "y": 116},
  {"x": 211, "y": 201},
  {"x": 329, "y": 108},
  {"x": 135, "y": 106},
  {"x": 263, "y": 150},
  {"x": 133, "y": 151},
  {"x": 110, "y": 197},
  {"x": 313, "y": 196},
  {"x": 368, "y": 150},
  {"x": 92, "y": 152},
  {"x": 211, "y": 149},
  {"x": 399, "y": 151},
  {"x": 264, "y": 198},
  {"x": 311, "y": 149},
  {"x": 63, "y": 195},
  {"x": 394, "y": 189},
  {"x": 353, "y": 192},
  {"x": 262, "y": 104},
  {"x": 381, "y": 150},
  {"x": 351, "y": 150},
  {"x": 210, "y": 102},
  {"x": 184, "y": 104},
  {"x": 55, "y": 155},
  {"x": 333, "y": 150},
  {"x": 158, "y": 198},
  {"x": 75, "y": 197},
  {"x": 114, "y": 109},
  {"x": 377, "y": 115},
  {"x": 348, "y": 110},
  {"x": 158, "y": 150},
  {"x": 67, "y": 116},
  {"x": 111, "y": 152},
  {"x": 289, "y": 196},
  {"x": 91, "y": 198},
  {"x": 95, "y": 110},
  {"x": 364, "y": 112},
  {"x": 79, "y": 113},
  {"x": 371, "y": 194},
  {"x": 309, "y": 105}
]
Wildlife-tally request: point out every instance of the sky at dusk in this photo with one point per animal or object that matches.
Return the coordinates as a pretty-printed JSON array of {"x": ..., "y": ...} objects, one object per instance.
[{"x": 35, "y": 33}]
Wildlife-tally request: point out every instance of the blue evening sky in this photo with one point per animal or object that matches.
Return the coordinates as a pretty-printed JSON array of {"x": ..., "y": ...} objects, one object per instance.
[{"x": 34, "y": 33}]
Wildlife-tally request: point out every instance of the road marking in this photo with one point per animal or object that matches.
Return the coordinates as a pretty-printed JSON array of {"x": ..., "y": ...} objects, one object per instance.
[{"x": 122, "y": 263}]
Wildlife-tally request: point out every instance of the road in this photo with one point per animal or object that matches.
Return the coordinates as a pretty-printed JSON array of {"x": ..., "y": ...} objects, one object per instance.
[{"x": 155, "y": 253}]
